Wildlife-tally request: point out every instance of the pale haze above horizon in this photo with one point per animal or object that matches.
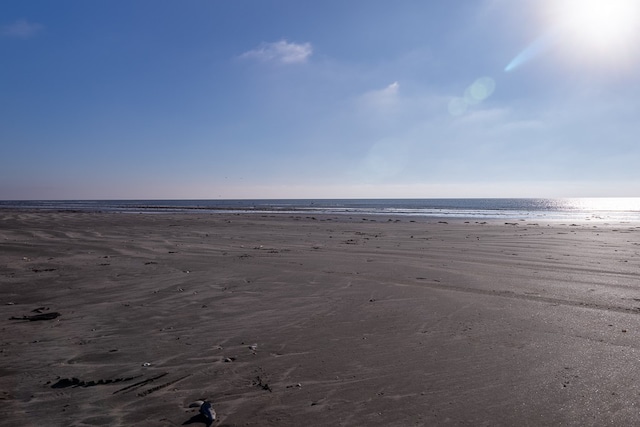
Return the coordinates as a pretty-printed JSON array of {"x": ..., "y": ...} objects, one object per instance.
[{"x": 206, "y": 99}]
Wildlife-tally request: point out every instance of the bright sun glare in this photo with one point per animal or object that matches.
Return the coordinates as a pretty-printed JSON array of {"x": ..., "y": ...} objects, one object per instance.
[{"x": 597, "y": 29}]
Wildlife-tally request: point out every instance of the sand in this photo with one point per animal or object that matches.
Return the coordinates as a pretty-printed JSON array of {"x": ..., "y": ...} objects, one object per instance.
[{"x": 290, "y": 320}]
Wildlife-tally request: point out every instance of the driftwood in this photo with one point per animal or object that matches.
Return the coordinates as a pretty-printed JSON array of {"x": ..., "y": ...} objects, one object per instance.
[
  {"x": 75, "y": 382},
  {"x": 36, "y": 317}
]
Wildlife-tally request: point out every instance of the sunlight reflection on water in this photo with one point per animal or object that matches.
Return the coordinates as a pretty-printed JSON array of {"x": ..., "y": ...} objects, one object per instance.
[{"x": 604, "y": 204}]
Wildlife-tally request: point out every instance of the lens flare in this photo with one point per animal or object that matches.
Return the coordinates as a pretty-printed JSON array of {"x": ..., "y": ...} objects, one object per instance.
[
  {"x": 480, "y": 90},
  {"x": 476, "y": 92},
  {"x": 541, "y": 45}
]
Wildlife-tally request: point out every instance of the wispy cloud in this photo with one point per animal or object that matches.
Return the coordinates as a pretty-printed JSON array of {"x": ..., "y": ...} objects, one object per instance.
[
  {"x": 281, "y": 51},
  {"x": 379, "y": 101},
  {"x": 381, "y": 97},
  {"x": 21, "y": 29}
]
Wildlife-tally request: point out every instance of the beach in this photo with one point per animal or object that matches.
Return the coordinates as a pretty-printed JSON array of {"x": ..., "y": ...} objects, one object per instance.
[{"x": 113, "y": 319}]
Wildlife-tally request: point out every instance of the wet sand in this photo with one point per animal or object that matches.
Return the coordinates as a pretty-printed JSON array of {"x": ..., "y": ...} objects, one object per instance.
[{"x": 291, "y": 320}]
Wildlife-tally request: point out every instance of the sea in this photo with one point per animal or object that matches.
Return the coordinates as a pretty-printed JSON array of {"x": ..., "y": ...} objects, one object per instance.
[{"x": 567, "y": 209}]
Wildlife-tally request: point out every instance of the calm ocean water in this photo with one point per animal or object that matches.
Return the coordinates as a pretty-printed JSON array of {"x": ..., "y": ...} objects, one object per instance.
[{"x": 598, "y": 209}]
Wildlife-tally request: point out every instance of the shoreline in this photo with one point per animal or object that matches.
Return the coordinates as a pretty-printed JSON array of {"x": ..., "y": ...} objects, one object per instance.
[
  {"x": 562, "y": 209},
  {"x": 340, "y": 216},
  {"x": 282, "y": 319}
]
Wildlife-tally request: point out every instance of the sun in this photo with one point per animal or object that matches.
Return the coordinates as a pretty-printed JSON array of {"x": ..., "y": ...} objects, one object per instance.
[
  {"x": 601, "y": 23},
  {"x": 597, "y": 29}
]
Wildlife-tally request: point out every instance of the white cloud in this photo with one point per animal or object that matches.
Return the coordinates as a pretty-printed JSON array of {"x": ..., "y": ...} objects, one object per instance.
[
  {"x": 383, "y": 96},
  {"x": 380, "y": 101},
  {"x": 21, "y": 29},
  {"x": 281, "y": 51},
  {"x": 392, "y": 89}
]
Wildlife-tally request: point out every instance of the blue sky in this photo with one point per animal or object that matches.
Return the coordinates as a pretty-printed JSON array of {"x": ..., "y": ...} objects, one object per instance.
[{"x": 301, "y": 99}]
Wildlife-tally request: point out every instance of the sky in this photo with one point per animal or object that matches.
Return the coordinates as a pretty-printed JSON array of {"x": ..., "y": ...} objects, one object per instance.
[{"x": 207, "y": 99}]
